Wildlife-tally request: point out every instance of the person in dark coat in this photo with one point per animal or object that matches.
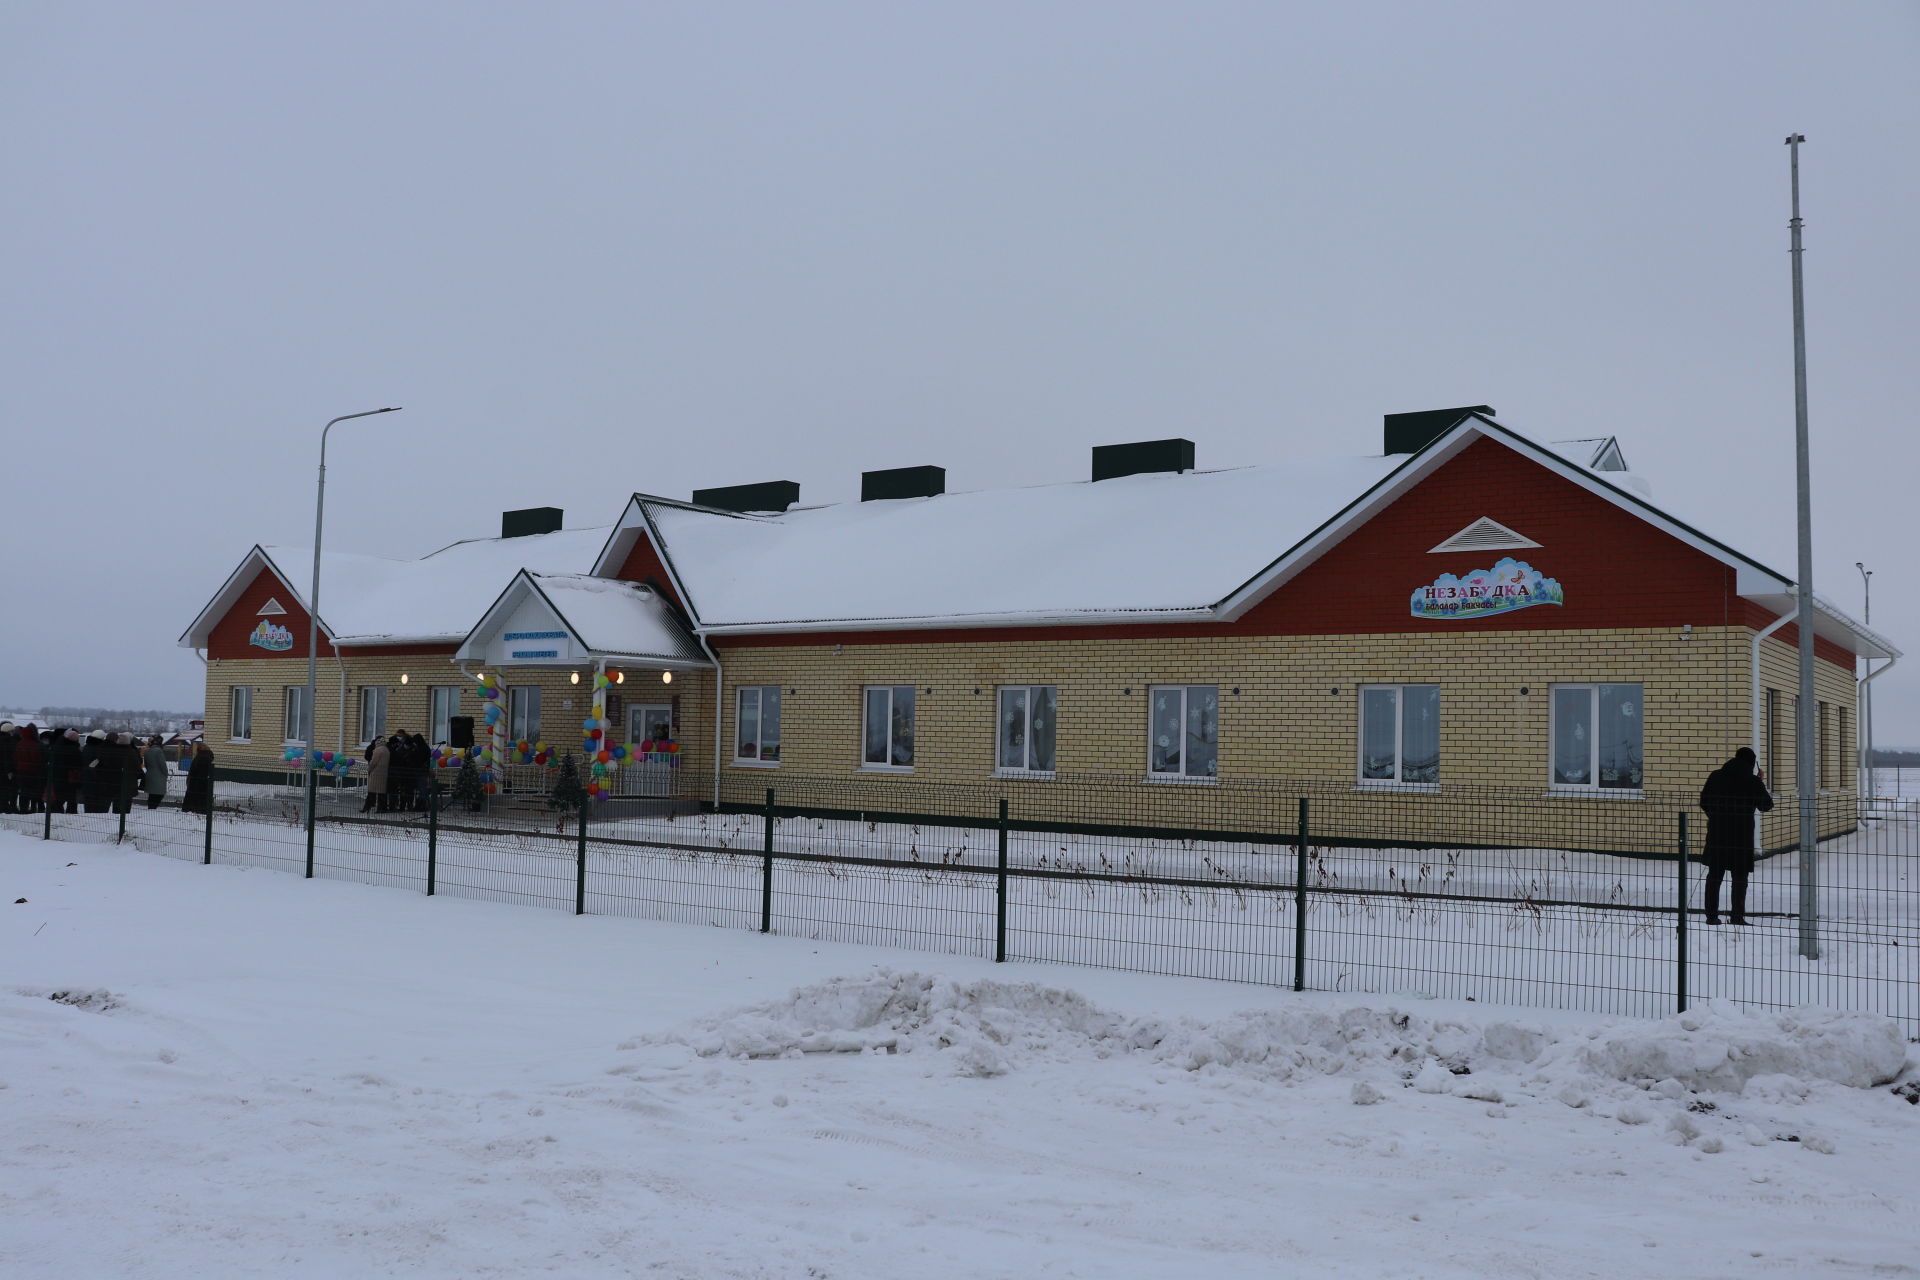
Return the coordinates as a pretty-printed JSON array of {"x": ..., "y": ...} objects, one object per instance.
[
  {"x": 1732, "y": 795},
  {"x": 399, "y": 772},
  {"x": 99, "y": 772},
  {"x": 29, "y": 770},
  {"x": 423, "y": 771},
  {"x": 63, "y": 771},
  {"x": 9, "y": 737},
  {"x": 126, "y": 752},
  {"x": 199, "y": 797}
]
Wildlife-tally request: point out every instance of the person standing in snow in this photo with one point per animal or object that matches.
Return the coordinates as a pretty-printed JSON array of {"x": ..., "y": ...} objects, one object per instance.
[
  {"x": 29, "y": 770},
  {"x": 199, "y": 796},
  {"x": 156, "y": 772},
  {"x": 9, "y": 738},
  {"x": 379, "y": 769},
  {"x": 126, "y": 751},
  {"x": 99, "y": 772},
  {"x": 63, "y": 771},
  {"x": 1732, "y": 795}
]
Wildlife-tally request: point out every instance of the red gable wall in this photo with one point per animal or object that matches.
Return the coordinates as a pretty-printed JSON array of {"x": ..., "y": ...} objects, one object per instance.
[
  {"x": 643, "y": 565},
  {"x": 1615, "y": 569},
  {"x": 228, "y": 639}
]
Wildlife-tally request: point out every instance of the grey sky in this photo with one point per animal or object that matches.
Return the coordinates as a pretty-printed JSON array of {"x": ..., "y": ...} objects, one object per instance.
[{"x": 595, "y": 248}]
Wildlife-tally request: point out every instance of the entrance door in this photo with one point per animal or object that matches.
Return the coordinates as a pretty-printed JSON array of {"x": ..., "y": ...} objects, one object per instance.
[{"x": 648, "y": 772}]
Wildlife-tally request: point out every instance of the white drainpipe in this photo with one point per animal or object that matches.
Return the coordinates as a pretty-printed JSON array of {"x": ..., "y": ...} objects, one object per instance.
[{"x": 1866, "y": 750}]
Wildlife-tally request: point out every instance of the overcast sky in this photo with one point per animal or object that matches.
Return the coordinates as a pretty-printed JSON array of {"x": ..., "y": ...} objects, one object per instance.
[{"x": 594, "y": 248}]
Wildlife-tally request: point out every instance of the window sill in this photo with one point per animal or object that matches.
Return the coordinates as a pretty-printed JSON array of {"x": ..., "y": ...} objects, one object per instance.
[
  {"x": 1180, "y": 780},
  {"x": 1595, "y": 793},
  {"x": 239, "y": 742},
  {"x": 886, "y": 768},
  {"x": 1418, "y": 788},
  {"x": 1025, "y": 775},
  {"x": 754, "y": 764}
]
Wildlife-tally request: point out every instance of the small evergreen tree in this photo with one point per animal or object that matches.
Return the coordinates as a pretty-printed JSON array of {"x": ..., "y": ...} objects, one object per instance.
[
  {"x": 466, "y": 787},
  {"x": 568, "y": 790}
]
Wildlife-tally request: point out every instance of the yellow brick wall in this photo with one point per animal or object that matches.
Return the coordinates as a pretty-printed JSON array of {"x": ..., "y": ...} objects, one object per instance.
[{"x": 563, "y": 704}]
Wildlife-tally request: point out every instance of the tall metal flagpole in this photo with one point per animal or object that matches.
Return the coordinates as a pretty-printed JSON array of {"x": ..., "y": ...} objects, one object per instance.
[{"x": 1806, "y": 762}]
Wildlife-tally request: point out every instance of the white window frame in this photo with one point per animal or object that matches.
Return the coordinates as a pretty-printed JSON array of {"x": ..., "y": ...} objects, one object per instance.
[
  {"x": 439, "y": 726},
  {"x": 1025, "y": 769},
  {"x": 294, "y": 693},
  {"x": 759, "y": 692},
  {"x": 1182, "y": 776},
  {"x": 240, "y": 713},
  {"x": 523, "y": 712},
  {"x": 890, "y": 691},
  {"x": 1593, "y": 787},
  {"x": 1398, "y": 781},
  {"x": 377, "y": 694}
]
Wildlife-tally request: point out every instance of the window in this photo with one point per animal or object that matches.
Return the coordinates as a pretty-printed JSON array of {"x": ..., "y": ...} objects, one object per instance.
[
  {"x": 1026, "y": 728},
  {"x": 373, "y": 713},
  {"x": 1596, "y": 737},
  {"x": 1847, "y": 751},
  {"x": 240, "y": 713},
  {"x": 523, "y": 713},
  {"x": 1400, "y": 734},
  {"x": 1824, "y": 747},
  {"x": 756, "y": 724},
  {"x": 889, "y": 728},
  {"x": 299, "y": 719},
  {"x": 442, "y": 706},
  {"x": 1183, "y": 731}
]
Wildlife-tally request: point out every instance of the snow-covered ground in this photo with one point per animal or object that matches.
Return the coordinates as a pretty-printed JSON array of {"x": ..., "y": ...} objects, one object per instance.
[{"x": 222, "y": 1071}]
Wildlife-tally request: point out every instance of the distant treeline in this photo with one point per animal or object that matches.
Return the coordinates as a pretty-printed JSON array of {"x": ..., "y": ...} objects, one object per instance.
[
  {"x": 1886, "y": 759},
  {"x": 113, "y": 718}
]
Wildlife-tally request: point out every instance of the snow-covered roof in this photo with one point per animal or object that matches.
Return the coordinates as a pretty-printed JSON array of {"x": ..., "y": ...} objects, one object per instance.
[
  {"x": 568, "y": 618},
  {"x": 373, "y": 600},
  {"x": 1170, "y": 544}
]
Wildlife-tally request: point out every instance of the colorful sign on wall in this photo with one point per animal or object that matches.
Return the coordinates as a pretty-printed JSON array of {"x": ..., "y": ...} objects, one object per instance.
[
  {"x": 1511, "y": 584},
  {"x": 269, "y": 636}
]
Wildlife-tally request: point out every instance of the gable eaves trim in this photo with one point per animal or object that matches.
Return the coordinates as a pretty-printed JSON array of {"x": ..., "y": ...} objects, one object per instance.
[
  {"x": 601, "y": 566},
  {"x": 486, "y": 615},
  {"x": 264, "y": 561},
  {"x": 666, "y": 555}
]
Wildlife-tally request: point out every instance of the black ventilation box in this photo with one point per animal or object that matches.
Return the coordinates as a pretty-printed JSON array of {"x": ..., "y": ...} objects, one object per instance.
[
  {"x": 529, "y": 521},
  {"x": 1412, "y": 432},
  {"x": 903, "y": 482},
  {"x": 770, "y": 495},
  {"x": 1110, "y": 461}
]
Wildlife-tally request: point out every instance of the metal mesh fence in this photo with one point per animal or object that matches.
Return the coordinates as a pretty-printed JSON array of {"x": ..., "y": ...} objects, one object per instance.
[{"x": 1482, "y": 894}]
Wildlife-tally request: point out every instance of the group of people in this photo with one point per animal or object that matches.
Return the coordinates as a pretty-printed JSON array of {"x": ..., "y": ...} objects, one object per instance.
[
  {"x": 399, "y": 774},
  {"x": 65, "y": 771}
]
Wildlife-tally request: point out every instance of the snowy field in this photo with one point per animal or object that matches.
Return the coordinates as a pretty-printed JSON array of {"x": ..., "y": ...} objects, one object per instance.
[{"x": 225, "y": 1071}]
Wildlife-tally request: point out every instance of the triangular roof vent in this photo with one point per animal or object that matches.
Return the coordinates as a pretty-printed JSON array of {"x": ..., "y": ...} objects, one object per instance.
[
  {"x": 270, "y": 608},
  {"x": 1484, "y": 535}
]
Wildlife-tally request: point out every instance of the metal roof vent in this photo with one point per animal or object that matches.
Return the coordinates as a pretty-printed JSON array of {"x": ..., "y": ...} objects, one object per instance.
[
  {"x": 529, "y": 521},
  {"x": 903, "y": 482},
  {"x": 1412, "y": 432},
  {"x": 1143, "y": 457},
  {"x": 1484, "y": 535},
  {"x": 771, "y": 495}
]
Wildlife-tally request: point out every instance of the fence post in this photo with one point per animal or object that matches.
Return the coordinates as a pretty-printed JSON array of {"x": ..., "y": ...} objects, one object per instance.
[
  {"x": 766, "y": 869},
  {"x": 580, "y": 864},
  {"x": 46, "y": 810},
  {"x": 121, "y": 834},
  {"x": 1000, "y": 890},
  {"x": 1681, "y": 984},
  {"x": 433, "y": 832},
  {"x": 313, "y": 801},
  {"x": 206, "y": 856},
  {"x": 1300, "y": 903}
]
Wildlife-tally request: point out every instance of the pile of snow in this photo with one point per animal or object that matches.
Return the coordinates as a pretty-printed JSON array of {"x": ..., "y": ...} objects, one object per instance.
[{"x": 990, "y": 1027}]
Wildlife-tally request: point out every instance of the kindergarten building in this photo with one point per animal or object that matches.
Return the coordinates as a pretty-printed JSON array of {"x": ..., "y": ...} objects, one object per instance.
[{"x": 1470, "y": 608}]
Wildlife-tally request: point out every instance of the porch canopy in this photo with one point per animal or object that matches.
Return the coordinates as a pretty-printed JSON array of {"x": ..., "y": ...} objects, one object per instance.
[{"x": 575, "y": 620}]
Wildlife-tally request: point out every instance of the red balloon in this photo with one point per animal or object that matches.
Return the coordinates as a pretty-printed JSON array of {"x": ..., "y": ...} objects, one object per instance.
[{"x": 593, "y": 733}]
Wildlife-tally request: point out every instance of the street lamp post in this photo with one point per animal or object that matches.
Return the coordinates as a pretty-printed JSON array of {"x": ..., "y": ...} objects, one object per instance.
[
  {"x": 1866, "y": 690},
  {"x": 313, "y": 615},
  {"x": 1806, "y": 774}
]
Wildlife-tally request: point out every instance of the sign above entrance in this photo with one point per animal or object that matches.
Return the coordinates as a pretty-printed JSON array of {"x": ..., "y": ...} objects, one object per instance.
[
  {"x": 1511, "y": 584},
  {"x": 269, "y": 636}
]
